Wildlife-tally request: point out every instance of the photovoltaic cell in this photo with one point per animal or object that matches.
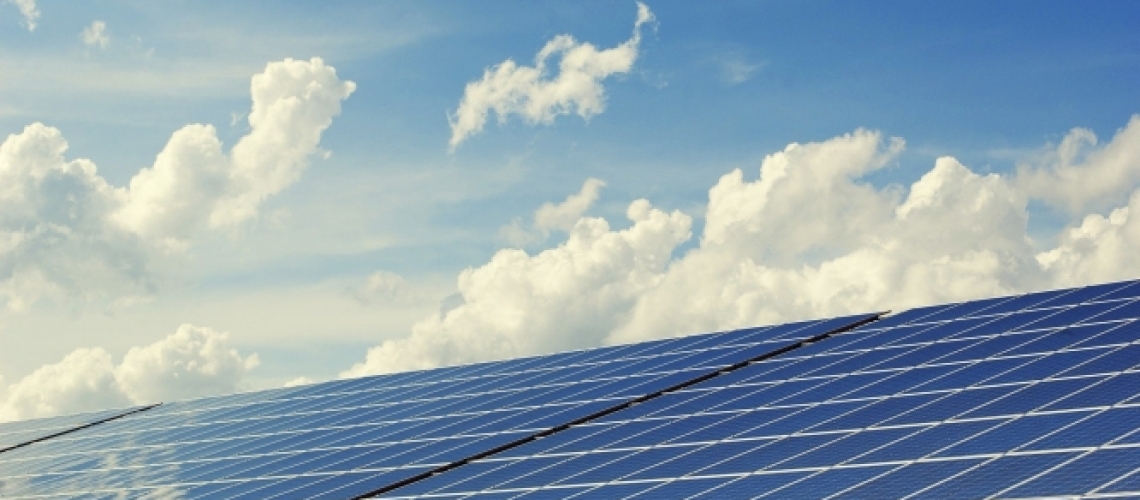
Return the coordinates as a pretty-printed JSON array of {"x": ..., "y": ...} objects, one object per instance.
[
  {"x": 1015, "y": 397},
  {"x": 345, "y": 438}
]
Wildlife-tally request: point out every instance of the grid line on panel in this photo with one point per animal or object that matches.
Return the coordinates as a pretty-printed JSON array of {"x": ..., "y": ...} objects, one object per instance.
[
  {"x": 79, "y": 427},
  {"x": 618, "y": 407}
]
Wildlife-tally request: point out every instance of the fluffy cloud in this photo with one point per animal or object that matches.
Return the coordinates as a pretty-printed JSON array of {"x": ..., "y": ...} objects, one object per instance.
[
  {"x": 83, "y": 380},
  {"x": 531, "y": 93},
  {"x": 195, "y": 184},
  {"x": 562, "y": 298},
  {"x": 95, "y": 35},
  {"x": 550, "y": 216},
  {"x": 815, "y": 182},
  {"x": 806, "y": 239},
  {"x": 29, "y": 11},
  {"x": 1099, "y": 249},
  {"x": 56, "y": 234},
  {"x": 65, "y": 232},
  {"x": 956, "y": 235},
  {"x": 191, "y": 362},
  {"x": 1077, "y": 176}
]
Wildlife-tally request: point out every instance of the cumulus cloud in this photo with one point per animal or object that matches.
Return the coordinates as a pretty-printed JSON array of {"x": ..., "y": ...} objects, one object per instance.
[
  {"x": 56, "y": 234},
  {"x": 807, "y": 238},
  {"x": 95, "y": 35},
  {"x": 66, "y": 232},
  {"x": 82, "y": 380},
  {"x": 191, "y": 362},
  {"x": 956, "y": 235},
  {"x": 1100, "y": 248},
  {"x": 550, "y": 216},
  {"x": 1077, "y": 176},
  {"x": 195, "y": 184},
  {"x": 28, "y": 10},
  {"x": 560, "y": 298},
  {"x": 815, "y": 182},
  {"x": 538, "y": 97}
]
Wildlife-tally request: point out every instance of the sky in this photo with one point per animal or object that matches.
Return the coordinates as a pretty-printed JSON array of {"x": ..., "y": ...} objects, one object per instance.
[{"x": 199, "y": 198}]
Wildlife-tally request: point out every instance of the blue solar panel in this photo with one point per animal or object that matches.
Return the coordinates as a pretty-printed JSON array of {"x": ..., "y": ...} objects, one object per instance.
[
  {"x": 22, "y": 433},
  {"x": 1014, "y": 397},
  {"x": 346, "y": 438}
]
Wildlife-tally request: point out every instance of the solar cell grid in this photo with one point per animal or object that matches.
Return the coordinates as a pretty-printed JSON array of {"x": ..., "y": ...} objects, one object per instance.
[
  {"x": 967, "y": 400},
  {"x": 349, "y": 437},
  {"x": 20, "y": 433}
]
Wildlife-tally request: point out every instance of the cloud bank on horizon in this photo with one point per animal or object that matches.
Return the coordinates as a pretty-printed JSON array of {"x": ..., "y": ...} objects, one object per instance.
[
  {"x": 191, "y": 362},
  {"x": 808, "y": 238}
]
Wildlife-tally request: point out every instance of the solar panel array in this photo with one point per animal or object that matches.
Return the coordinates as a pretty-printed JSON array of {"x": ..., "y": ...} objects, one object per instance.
[
  {"x": 348, "y": 438},
  {"x": 1021, "y": 397}
]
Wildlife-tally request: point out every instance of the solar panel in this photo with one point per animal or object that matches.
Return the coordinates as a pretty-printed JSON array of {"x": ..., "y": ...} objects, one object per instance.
[
  {"x": 1029, "y": 396},
  {"x": 348, "y": 438},
  {"x": 23, "y": 433}
]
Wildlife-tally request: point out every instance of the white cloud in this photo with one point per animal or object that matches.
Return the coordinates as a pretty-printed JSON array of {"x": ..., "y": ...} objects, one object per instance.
[
  {"x": 56, "y": 239},
  {"x": 562, "y": 298},
  {"x": 815, "y": 182},
  {"x": 194, "y": 184},
  {"x": 1099, "y": 249},
  {"x": 956, "y": 235},
  {"x": 191, "y": 362},
  {"x": 95, "y": 35},
  {"x": 29, "y": 11},
  {"x": 66, "y": 233},
  {"x": 550, "y": 216},
  {"x": 806, "y": 239},
  {"x": 1078, "y": 176},
  {"x": 82, "y": 380},
  {"x": 530, "y": 92}
]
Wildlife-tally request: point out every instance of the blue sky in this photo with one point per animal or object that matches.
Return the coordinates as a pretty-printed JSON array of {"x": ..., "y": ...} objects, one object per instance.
[{"x": 712, "y": 88}]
